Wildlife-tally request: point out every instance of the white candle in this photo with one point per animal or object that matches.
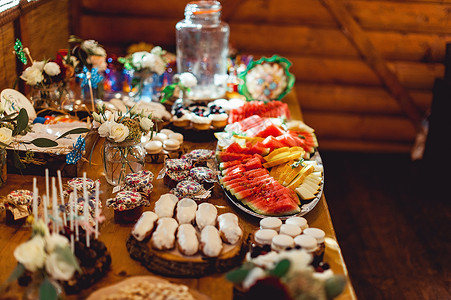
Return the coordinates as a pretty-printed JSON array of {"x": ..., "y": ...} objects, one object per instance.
[
  {"x": 76, "y": 212},
  {"x": 72, "y": 242},
  {"x": 45, "y": 210},
  {"x": 60, "y": 183},
  {"x": 97, "y": 210},
  {"x": 86, "y": 217},
  {"x": 71, "y": 213},
  {"x": 47, "y": 189},
  {"x": 54, "y": 207},
  {"x": 35, "y": 199}
]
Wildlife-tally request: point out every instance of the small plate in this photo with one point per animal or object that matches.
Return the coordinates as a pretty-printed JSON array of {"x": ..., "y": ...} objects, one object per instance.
[
  {"x": 306, "y": 206},
  {"x": 15, "y": 100}
]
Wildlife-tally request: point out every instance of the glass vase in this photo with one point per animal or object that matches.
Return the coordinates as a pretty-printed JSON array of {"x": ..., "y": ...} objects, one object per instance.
[
  {"x": 143, "y": 86},
  {"x": 3, "y": 166},
  {"x": 120, "y": 159},
  {"x": 48, "y": 96},
  {"x": 33, "y": 292}
]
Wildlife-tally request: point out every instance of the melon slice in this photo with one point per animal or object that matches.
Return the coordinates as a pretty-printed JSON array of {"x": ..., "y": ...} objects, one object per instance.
[
  {"x": 304, "y": 193},
  {"x": 301, "y": 176}
]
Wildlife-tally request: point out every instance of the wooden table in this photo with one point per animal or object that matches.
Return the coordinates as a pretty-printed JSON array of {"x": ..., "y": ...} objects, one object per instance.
[{"x": 114, "y": 235}]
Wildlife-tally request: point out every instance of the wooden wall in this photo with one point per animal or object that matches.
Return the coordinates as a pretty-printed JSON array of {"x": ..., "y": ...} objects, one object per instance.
[
  {"x": 340, "y": 93},
  {"x": 42, "y": 26}
]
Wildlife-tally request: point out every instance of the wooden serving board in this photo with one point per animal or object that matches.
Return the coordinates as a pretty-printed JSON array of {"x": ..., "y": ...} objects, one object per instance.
[
  {"x": 173, "y": 263},
  {"x": 112, "y": 290}
]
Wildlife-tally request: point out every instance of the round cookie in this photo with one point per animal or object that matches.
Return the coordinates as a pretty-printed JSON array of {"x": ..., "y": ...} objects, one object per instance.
[{"x": 154, "y": 147}]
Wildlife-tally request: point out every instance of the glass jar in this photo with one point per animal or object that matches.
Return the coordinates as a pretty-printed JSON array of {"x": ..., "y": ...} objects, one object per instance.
[
  {"x": 48, "y": 96},
  {"x": 120, "y": 159},
  {"x": 202, "y": 48},
  {"x": 143, "y": 86}
]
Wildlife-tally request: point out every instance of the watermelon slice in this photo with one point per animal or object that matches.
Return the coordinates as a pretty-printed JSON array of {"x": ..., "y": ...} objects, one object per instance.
[
  {"x": 271, "y": 130},
  {"x": 225, "y": 156},
  {"x": 272, "y": 143}
]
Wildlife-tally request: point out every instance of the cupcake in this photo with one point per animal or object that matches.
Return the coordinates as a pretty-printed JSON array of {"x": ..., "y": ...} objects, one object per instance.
[
  {"x": 218, "y": 116},
  {"x": 171, "y": 145},
  {"x": 180, "y": 117},
  {"x": 200, "y": 123}
]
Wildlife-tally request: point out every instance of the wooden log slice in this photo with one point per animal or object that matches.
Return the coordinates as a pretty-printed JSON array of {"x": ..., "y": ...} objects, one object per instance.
[
  {"x": 173, "y": 263},
  {"x": 116, "y": 289}
]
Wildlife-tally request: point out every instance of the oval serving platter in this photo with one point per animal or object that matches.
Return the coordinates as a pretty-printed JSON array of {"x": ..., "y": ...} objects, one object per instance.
[{"x": 306, "y": 206}]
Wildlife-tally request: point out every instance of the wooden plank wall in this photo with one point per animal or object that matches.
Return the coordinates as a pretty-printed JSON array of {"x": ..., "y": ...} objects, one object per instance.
[
  {"x": 42, "y": 26},
  {"x": 340, "y": 95}
]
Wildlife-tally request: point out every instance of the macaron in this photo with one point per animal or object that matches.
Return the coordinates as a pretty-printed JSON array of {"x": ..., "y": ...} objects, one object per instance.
[
  {"x": 290, "y": 229},
  {"x": 270, "y": 223},
  {"x": 299, "y": 221},
  {"x": 166, "y": 131},
  {"x": 306, "y": 242},
  {"x": 160, "y": 137},
  {"x": 264, "y": 236},
  {"x": 171, "y": 145},
  {"x": 317, "y": 233},
  {"x": 281, "y": 242},
  {"x": 154, "y": 147},
  {"x": 176, "y": 136}
]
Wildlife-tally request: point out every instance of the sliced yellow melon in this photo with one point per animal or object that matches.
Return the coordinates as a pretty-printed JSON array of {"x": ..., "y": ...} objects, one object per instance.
[
  {"x": 281, "y": 160},
  {"x": 304, "y": 193},
  {"x": 292, "y": 174},
  {"x": 314, "y": 188},
  {"x": 301, "y": 176},
  {"x": 276, "y": 153}
]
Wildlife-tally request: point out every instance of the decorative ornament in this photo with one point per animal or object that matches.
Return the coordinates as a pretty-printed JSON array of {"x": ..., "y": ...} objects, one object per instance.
[
  {"x": 266, "y": 79},
  {"x": 18, "y": 50},
  {"x": 96, "y": 78},
  {"x": 74, "y": 156}
]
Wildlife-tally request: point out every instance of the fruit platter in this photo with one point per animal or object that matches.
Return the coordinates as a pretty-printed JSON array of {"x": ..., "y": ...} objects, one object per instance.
[{"x": 270, "y": 167}]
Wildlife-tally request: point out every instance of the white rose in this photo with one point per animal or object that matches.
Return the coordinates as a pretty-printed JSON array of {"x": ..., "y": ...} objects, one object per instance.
[
  {"x": 31, "y": 254},
  {"x": 32, "y": 75},
  {"x": 146, "y": 124},
  {"x": 187, "y": 79},
  {"x": 93, "y": 48},
  {"x": 157, "y": 50},
  {"x": 118, "y": 132},
  {"x": 96, "y": 117},
  {"x": 39, "y": 65},
  {"x": 52, "y": 68},
  {"x": 6, "y": 135},
  {"x": 104, "y": 129},
  {"x": 109, "y": 116},
  {"x": 54, "y": 240},
  {"x": 148, "y": 61},
  {"x": 96, "y": 124},
  {"x": 58, "y": 267},
  {"x": 159, "y": 66},
  {"x": 138, "y": 58}
]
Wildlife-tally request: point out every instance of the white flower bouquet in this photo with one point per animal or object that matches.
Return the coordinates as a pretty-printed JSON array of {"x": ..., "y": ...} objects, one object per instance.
[
  {"x": 48, "y": 257},
  {"x": 183, "y": 82}
]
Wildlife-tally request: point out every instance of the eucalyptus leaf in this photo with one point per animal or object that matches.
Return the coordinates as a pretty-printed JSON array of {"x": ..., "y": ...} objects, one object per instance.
[
  {"x": 16, "y": 273},
  {"x": 47, "y": 291},
  {"x": 281, "y": 268},
  {"x": 66, "y": 254},
  {"x": 17, "y": 162},
  {"x": 22, "y": 122},
  {"x": 74, "y": 131},
  {"x": 237, "y": 275},
  {"x": 43, "y": 142},
  {"x": 9, "y": 118},
  {"x": 335, "y": 286}
]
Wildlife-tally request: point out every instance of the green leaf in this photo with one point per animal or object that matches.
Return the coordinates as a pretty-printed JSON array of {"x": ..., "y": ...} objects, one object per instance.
[
  {"x": 22, "y": 122},
  {"x": 335, "y": 286},
  {"x": 17, "y": 162},
  {"x": 281, "y": 268},
  {"x": 43, "y": 142},
  {"x": 16, "y": 273},
  {"x": 74, "y": 131},
  {"x": 66, "y": 254},
  {"x": 168, "y": 91},
  {"x": 237, "y": 275},
  {"x": 47, "y": 291}
]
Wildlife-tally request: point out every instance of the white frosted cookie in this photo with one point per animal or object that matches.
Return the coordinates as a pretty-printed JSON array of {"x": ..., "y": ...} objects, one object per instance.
[
  {"x": 290, "y": 229},
  {"x": 210, "y": 241},
  {"x": 160, "y": 137},
  {"x": 186, "y": 211},
  {"x": 166, "y": 131},
  {"x": 299, "y": 221},
  {"x": 144, "y": 226},
  {"x": 176, "y": 136},
  {"x": 164, "y": 236},
  {"x": 281, "y": 242},
  {"x": 264, "y": 236},
  {"x": 171, "y": 144},
  {"x": 164, "y": 207},
  {"x": 270, "y": 223},
  {"x": 154, "y": 147},
  {"x": 229, "y": 228},
  {"x": 206, "y": 215},
  {"x": 187, "y": 240}
]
